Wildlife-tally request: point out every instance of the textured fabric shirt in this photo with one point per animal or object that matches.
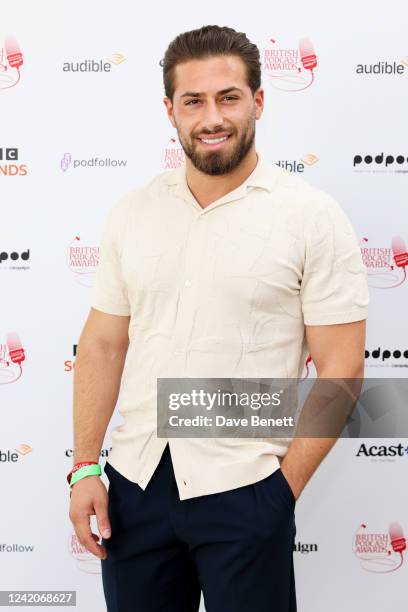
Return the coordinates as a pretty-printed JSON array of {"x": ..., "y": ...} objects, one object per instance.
[{"x": 222, "y": 291}]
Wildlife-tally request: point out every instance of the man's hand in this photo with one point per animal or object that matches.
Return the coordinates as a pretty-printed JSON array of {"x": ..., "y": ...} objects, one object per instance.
[{"x": 89, "y": 496}]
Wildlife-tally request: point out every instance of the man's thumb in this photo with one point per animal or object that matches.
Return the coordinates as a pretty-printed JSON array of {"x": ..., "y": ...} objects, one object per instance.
[{"x": 103, "y": 523}]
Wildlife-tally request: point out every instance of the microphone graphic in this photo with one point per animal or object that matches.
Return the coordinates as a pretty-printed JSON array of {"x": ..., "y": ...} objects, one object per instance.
[
  {"x": 15, "y": 348},
  {"x": 307, "y": 54},
  {"x": 398, "y": 541},
  {"x": 399, "y": 250},
  {"x": 13, "y": 53}
]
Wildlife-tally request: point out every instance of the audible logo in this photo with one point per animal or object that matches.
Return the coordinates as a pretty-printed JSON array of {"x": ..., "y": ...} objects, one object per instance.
[
  {"x": 13, "y": 456},
  {"x": 91, "y": 65},
  {"x": 381, "y": 68},
  {"x": 8, "y": 167}
]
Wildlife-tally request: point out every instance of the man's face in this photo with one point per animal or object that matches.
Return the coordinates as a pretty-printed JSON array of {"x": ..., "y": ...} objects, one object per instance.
[{"x": 214, "y": 112}]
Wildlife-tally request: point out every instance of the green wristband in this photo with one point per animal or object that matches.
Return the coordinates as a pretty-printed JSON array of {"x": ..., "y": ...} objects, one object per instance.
[{"x": 86, "y": 470}]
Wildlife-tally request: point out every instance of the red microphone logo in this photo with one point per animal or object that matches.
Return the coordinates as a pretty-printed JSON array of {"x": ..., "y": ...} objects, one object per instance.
[
  {"x": 307, "y": 54},
  {"x": 15, "y": 348},
  {"x": 399, "y": 250},
  {"x": 13, "y": 53}
]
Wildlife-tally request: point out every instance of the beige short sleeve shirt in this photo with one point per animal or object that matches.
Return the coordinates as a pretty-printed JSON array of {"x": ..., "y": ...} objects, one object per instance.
[{"x": 224, "y": 291}]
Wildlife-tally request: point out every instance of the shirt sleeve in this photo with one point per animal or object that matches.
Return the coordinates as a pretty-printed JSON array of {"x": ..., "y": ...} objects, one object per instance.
[
  {"x": 334, "y": 287},
  {"x": 109, "y": 291}
]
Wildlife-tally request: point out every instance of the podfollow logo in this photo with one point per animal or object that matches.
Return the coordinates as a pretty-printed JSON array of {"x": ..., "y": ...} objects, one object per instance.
[{"x": 93, "y": 162}]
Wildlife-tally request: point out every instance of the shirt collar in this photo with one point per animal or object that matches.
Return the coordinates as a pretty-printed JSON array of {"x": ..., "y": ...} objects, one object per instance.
[{"x": 263, "y": 176}]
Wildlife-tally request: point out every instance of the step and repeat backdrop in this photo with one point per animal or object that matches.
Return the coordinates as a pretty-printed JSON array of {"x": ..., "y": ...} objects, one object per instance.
[{"x": 83, "y": 122}]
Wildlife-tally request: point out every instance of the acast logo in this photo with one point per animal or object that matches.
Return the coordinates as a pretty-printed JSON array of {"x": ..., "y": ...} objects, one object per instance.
[
  {"x": 8, "y": 163},
  {"x": 379, "y": 451}
]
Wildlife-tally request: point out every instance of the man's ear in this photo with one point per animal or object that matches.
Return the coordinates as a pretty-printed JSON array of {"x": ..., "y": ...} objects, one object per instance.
[
  {"x": 170, "y": 111},
  {"x": 259, "y": 102}
]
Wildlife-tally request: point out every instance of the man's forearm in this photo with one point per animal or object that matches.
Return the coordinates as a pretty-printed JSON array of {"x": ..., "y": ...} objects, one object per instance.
[
  {"x": 305, "y": 454},
  {"x": 97, "y": 375}
]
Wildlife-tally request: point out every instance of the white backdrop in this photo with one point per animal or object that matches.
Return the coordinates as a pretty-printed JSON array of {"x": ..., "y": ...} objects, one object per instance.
[{"x": 53, "y": 209}]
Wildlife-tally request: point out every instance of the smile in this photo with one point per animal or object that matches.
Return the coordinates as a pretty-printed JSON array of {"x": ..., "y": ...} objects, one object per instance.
[{"x": 212, "y": 142}]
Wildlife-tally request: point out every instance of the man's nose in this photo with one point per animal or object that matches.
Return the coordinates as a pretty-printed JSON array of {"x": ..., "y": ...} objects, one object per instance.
[{"x": 212, "y": 118}]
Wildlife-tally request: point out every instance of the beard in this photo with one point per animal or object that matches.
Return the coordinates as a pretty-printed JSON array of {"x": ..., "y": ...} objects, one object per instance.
[{"x": 220, "y": 162}]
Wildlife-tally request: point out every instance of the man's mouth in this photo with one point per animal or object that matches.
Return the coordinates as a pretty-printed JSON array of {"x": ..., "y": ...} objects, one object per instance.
[{"x": 214, "y": 141}]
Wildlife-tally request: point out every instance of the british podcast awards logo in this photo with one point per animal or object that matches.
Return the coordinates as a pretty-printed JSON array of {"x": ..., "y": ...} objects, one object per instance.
[
  {"x": 289, "y": 68},
  {"x": 380, "y": 552},
  {"x": 82, "y": 260},
  {"x": 173, "y": 155},
  {"x": 12, "y": 356},
  {"x": 11, "y": 60},
  {"x": 386, "y": 265}
]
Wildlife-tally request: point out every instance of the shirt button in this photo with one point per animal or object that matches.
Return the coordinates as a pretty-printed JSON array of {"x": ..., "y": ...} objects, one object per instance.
[{"x": 188, "y": 283}]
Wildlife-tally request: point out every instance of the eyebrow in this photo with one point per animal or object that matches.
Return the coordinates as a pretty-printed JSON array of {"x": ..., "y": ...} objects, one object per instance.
[{"x": 197, "y": 94}]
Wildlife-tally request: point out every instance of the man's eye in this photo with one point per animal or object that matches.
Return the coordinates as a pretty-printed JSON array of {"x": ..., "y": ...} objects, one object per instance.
[
  {"x": 230, "y": 97},
  {"x": 191, "y": 101}
]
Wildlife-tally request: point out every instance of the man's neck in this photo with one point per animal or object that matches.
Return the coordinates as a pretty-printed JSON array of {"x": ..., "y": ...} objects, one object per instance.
[{"x": 207, "y": 189}]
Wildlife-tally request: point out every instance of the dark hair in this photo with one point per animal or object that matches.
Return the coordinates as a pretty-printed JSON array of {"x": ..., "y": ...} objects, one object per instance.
[{"x": 209, "y": 41}]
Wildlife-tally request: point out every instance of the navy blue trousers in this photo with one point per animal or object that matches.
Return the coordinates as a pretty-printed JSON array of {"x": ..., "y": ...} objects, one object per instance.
[{"x": 235, "y": 546}]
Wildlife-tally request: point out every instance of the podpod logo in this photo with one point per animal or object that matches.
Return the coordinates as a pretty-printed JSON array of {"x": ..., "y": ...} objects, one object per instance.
[
  {"x": 386, "y": 266},
  {"x": 382, "y": 452},
  {"x": 93, "y": 162},
  {"x": 12, "y": 456},
  {"x": 14, "y": 260},
  {"x": 289, "y": 68},
  {"x": 173, "y": 155},
  {"x": 9, "y": 165},
  {"x": 384, "y": 357},
  {"x": 11, "y": 357},
  {"x": 383, "y": 67},
  {"x": 380, "y": 552},
  {"x": 83, "y": 261},
  {"x": 380, "y": 163},
  {"x": 93, "y": 65},
  {"x": 11, "y": 60},
  {"x": 296, "y": 166}
]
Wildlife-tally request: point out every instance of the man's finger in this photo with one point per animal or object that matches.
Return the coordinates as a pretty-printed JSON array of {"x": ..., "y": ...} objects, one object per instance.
[
  {"x": 102, "y": 518},
  {"x": 85, "y": 536}
]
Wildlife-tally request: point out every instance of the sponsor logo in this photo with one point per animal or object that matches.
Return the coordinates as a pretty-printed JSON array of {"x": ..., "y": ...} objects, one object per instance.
[
  {"x": 380, "y": 163},
  {"x": 289, "y": 68},
  {"x": 11, "y": 60},
  {"x": 94, "y": 162},
  {"x": 9, "y": 163},
  {"x": 12, "y": 355},
  {"x": 14, "y": 260},
  {"x": 379, "y": 552}
]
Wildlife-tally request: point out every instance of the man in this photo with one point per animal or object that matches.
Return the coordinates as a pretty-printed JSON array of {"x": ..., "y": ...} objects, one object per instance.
[{"x": 226, "y": 267}]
